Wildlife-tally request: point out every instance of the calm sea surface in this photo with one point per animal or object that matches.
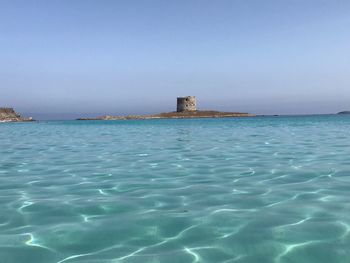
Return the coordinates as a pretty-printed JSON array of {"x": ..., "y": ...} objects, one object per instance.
[{"x": 257, "y": 190}]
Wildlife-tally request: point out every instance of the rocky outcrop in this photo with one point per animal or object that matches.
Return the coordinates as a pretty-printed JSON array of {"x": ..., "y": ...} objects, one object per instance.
[
  {"x": 175, "y": 115},
  {"x": 9, "y": 115},
  {"x": 186, "y": 109},
  {"x": 344, "y": 112}
]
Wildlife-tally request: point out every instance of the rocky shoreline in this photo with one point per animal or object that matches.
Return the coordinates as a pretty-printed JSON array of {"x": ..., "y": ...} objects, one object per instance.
[
  {"x": 174, "y": 115},
  {"x": 10, "y": 115}
]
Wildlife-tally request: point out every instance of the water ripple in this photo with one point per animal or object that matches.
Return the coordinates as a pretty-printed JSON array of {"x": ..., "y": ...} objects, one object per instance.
[{"x": 233, "y": 190}]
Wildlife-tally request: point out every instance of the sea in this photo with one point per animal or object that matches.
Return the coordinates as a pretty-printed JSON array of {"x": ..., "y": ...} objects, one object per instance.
[{"x": 247, "y": 190}]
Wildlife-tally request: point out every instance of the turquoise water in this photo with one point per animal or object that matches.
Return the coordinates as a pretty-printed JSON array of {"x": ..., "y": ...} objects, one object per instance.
[{"x": 266, "y": 189}]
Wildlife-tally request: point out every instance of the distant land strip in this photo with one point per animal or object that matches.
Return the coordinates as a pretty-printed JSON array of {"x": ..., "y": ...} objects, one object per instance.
[{"x": 175, "y": 115}]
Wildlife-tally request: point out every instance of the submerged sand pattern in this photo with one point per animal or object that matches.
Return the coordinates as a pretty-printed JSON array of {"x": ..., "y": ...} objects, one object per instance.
[{"x": 209, "y": 190}]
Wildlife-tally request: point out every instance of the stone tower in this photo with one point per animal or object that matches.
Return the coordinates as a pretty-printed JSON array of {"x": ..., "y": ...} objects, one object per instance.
[{"x": 186, "y": 104}]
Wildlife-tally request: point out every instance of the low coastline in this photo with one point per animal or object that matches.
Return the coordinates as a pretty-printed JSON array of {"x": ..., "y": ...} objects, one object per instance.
[{"x": 174, "y": 115}]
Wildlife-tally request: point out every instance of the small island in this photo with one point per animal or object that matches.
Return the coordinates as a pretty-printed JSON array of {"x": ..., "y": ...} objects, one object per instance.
[
  {"x": 186, "y": 109},
  {"x": 9, "y": 115},
  {"x": 344, "y": 112}
]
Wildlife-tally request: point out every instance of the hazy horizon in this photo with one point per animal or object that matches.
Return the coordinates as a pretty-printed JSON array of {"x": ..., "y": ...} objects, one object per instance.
[{"x": 66, "y": 59}]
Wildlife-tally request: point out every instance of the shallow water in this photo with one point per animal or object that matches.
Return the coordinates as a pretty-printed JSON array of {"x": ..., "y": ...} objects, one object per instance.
[{"x": 266, "y": 189}]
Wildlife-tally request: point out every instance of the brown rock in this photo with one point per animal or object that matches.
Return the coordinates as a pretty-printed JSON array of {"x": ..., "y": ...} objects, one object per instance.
[{"x": 9, "y": 115}]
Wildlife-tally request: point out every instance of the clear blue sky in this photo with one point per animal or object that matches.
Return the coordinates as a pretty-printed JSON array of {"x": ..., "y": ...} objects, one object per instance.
[{"x": 66, "y": 57}]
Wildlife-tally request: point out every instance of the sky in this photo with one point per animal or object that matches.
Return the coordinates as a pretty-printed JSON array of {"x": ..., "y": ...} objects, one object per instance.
[{"x": 79, "y": 58}]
